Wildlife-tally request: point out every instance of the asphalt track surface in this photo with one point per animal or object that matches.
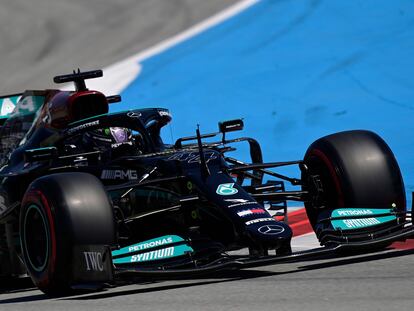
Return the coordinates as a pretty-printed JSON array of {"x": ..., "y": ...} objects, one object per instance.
[
  {"x": 369, "y": 282},
  {"x": 42, "y": 38}
]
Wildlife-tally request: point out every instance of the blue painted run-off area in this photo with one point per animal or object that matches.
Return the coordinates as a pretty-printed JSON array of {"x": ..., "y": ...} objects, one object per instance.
[{"x": 295, "y": 71}]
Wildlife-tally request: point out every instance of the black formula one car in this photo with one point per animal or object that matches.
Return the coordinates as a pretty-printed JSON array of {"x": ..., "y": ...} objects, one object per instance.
[{"x": 88, "y": 197}]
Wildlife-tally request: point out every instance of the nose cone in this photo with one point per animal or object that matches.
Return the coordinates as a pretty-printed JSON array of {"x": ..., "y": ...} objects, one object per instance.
[{"x": 270, "y": 234}]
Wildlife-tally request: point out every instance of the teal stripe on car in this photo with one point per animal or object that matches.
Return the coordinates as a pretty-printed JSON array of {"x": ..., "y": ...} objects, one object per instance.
[
  {"x": 357, "y": 218},
  {"x": 158, "y": 254},
  {"x": 149, "y": 244}
]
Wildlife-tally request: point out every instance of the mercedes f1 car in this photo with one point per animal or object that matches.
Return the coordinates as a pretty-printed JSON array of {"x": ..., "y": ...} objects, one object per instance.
[{"x": 88, "y": 197}]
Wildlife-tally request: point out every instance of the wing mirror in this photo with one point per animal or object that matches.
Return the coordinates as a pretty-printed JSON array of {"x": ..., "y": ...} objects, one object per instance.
[{"x": 231, "y": 125}]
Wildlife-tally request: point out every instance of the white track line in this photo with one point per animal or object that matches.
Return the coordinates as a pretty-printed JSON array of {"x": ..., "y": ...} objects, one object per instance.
[
  {"x": 304, "y": 242},
  {"x": 119, "y": 75}
]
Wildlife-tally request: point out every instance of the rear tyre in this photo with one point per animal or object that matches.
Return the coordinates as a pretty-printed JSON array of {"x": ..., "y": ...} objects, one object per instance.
[
  {"x": 351, "y": 169},
  {"x": 61, "y": 215}
]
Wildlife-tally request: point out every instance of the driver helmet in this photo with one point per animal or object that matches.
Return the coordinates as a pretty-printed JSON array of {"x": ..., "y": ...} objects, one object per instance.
[{"x": 116, "y": 140}]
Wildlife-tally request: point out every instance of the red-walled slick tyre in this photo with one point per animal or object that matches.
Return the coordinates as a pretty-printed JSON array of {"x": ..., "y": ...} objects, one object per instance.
[
  {"x": 66, "y": 227},
  {"x": 351, "y": 169}
]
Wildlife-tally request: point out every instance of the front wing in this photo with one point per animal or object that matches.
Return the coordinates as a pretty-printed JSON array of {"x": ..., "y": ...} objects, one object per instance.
[{"x": 191, "y": 266}]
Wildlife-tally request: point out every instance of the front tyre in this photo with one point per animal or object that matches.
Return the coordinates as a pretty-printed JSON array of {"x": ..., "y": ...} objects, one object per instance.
[
  {"x": 66, "y": 227},
  {"x": 351, "y": 169}
]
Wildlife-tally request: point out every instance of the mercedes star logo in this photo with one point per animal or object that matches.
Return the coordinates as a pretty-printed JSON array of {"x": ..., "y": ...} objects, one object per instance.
[
  {"x": 271, "y": 229},
  {"x": 133, "y": 114}
]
